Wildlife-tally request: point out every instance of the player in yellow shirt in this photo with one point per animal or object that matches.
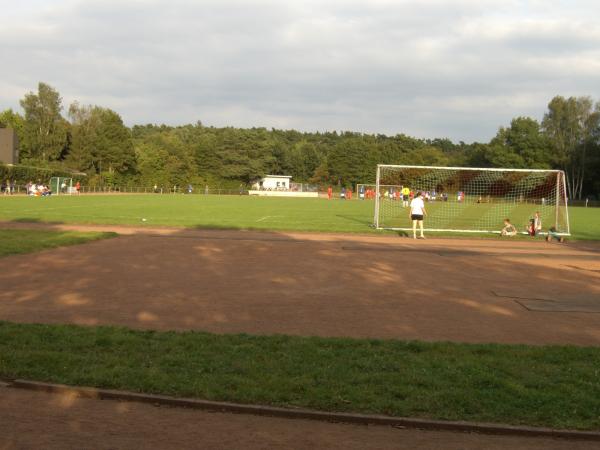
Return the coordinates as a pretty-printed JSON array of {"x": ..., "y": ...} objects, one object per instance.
[{"x": 405, "y": 196}]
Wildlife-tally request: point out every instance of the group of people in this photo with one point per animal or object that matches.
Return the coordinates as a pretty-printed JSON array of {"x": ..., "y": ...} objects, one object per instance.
[
  {"x": 533, "y": 228},
  {"x": 38, "y": 190},
  {"x": 345, "y": 194},
  {"x": 8, "y": 187}
]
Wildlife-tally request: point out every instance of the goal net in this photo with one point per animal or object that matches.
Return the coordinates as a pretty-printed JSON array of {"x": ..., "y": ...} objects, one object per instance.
[
  {"x": 367, "y": 191},
  {"x": 473, "y": 200},
  {"x": 61, "y": 185}
]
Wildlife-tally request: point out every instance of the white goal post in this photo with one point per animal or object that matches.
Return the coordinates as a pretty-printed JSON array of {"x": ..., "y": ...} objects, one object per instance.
[
  {"x": 473, "y": 200},
  {"x": 61, "y": 185}
]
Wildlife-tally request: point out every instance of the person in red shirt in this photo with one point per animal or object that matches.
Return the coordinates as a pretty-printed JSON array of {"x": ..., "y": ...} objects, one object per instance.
[
  {"x": 77, "y": 187},
  {"x": 329, "y": 192},
  {"x": 349, "y": 194}
]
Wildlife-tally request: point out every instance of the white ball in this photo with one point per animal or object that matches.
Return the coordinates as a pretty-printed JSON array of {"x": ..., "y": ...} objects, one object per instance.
[{"x": 143, "y": 220}]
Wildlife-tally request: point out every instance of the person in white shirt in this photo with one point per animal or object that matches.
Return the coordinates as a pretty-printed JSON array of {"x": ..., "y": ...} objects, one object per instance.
[
  {"x": 537, "y": 222},
  {"x": 417, "y": 212}
]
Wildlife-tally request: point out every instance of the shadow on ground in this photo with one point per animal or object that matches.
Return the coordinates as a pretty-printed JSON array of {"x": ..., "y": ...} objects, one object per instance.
[{"x": 227, "y": 281}]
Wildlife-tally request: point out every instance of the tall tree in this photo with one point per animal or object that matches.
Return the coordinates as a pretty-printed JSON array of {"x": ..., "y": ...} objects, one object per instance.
[
  {"x": 45, "y": 130},
  {"x": 84, "y": 124},
  {"x": 524, "y": 139},
  {"x": 570, "y": 124},
  {"x": 100, "y": 142}
]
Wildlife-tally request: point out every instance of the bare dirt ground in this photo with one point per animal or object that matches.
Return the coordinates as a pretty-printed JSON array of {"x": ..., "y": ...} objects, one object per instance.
[
  {"x": 312, "y": 284},
  {"x": 35, "y": 420},
  {"x": 292, "y": 283}
]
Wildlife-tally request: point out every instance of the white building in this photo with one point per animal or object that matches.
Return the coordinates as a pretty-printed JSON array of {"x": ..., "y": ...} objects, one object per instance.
[
  {"x": 280, "y": 186},
  {"x": 273, "y": 183}
]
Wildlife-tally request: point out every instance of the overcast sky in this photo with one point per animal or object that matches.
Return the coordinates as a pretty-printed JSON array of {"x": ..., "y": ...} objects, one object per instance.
[{"x": 426, "y": 68}]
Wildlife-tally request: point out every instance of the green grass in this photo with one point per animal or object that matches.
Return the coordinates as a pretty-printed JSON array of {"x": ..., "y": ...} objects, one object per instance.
[
  {"x": 539, "y": 386},
  {"x": 27, "y": 241},
  {"x": 231, "y": 212}
]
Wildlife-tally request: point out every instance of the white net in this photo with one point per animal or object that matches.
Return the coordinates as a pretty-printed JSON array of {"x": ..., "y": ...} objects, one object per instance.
[
  {"x": 61, "y": 185},
  {"x": 472, "y": 200},
  {"x": 367, "y": 191}
]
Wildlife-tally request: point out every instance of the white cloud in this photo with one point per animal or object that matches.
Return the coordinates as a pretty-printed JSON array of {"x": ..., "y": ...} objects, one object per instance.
[{"x": 429, "y": 68}]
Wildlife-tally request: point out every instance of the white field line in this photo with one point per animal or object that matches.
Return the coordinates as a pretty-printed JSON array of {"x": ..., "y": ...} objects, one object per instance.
[{"x": 267, "y": 217}]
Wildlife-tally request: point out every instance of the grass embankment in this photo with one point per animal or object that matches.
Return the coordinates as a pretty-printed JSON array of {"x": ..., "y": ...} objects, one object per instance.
[
  {"x": 243, "y": 212},
  {"x": 539, "y": 386},
  {"x": 27, "y": 241}
]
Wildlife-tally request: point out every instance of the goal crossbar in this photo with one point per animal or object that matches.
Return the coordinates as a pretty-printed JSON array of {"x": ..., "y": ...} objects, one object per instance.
[{"x": 487, "y": 169}]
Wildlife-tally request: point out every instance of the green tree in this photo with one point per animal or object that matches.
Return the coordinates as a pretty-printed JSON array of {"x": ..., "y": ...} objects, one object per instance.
[
  {"x": 571, "y": 125},
  {"x": 524, "y": 141},
  {"x": 100, "y": 142},
  {"x": 45, "y": 130},
  {"x": 11, "y": 119}
]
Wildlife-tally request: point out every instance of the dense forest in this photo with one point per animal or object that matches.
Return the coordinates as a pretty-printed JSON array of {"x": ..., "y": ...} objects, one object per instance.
[{"x": 94, "y": 140}]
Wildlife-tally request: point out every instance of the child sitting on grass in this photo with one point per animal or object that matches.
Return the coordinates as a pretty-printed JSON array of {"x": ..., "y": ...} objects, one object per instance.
[
  {"x": 509, "y": 229},
  {"x": 553, "y": 234}
]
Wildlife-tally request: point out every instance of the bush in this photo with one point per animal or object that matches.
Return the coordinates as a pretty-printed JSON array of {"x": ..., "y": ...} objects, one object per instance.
[{"x": 23, "y": 174}]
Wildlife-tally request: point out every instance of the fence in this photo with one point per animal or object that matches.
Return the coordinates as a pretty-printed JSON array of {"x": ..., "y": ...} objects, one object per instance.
[{"x": 207, "y": 190}]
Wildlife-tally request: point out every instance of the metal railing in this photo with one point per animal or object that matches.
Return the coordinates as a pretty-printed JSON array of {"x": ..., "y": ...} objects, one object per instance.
[{"x": 21, "y": 189}]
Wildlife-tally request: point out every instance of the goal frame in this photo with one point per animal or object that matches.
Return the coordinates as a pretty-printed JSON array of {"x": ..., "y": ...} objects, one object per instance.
[
  {"x": 561, "y": 189},
  {"x": 58, "y": 182}
]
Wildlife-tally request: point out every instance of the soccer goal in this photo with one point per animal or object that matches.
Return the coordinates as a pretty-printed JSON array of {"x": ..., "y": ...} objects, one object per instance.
[
  {"x": 473, "y": 200},
  {"x": 61, "y": 185}
]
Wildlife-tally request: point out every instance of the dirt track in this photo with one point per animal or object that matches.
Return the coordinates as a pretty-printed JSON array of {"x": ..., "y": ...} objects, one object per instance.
[
  {"x": 328, "y": 285},
  {"x": 32, "y": 420},
  {"x": 309, "y": 284}
]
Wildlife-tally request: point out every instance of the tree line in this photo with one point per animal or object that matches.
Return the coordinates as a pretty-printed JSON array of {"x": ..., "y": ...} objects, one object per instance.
[{"x": 94, "y": 140}]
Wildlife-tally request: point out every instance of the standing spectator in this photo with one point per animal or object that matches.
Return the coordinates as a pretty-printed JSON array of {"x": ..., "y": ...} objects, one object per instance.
[
  {"x": 329, "y": 192},
  {"x": 78, "y": 187},
  {"x": 343, "y": 194}
]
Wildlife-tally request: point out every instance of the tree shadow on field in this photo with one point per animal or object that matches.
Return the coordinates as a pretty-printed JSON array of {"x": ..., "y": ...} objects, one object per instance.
[
  {"x": 261, "y": 282},
  {"x": 356, "y": 219},
  {"x": 34, "y": 220}
]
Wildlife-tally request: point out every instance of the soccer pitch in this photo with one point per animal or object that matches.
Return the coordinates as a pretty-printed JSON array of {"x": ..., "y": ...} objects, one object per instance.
[{"x": 234, "y": 212}]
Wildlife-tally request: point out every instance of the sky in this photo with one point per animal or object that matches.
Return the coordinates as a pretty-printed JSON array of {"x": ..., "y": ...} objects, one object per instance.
[{"x": 426, "y": 68}]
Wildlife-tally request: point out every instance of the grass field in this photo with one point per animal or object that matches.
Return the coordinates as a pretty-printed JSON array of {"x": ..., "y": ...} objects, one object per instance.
[
  {"x": 553, "y": 386},
  {"x": 226, "y": 212},
  {"x": 27, "y": 241},
  {"x": 539, "y": 386}
]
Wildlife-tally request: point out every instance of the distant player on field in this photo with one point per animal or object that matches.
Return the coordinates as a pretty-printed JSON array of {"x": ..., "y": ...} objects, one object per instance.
[
  {"x": 417, "y": 212},
  {"x": 405, "y": 196}
]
